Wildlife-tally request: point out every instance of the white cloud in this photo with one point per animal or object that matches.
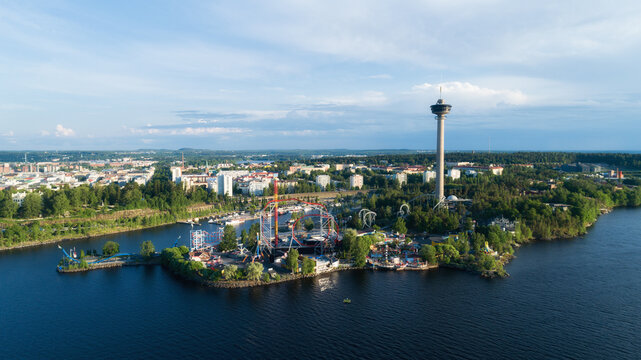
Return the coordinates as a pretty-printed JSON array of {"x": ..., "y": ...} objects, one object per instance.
[
  {"x": 206, "y": 131},
  {"x": 368, "y": 98},
  {"x": 474, "y": 95},
  {"x": 8, "y": 133},
  {"x": 61, "y": 131},
  {"x": 439, "y": 33}
]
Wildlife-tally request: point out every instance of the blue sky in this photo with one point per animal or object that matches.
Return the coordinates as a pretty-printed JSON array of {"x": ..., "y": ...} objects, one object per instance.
[{"x": 521, "y": 75}]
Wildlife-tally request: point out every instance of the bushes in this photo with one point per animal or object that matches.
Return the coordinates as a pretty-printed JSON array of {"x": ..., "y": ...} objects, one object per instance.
[
  {"x": 254, "y": 271},
  {"x": 309, "y": 266},
  {"x": 110, "y": 248},
  {"x": 147, "y": 249},
  {"x": 292, "y": 261},
  {"x": 231, "y": 272},
  {"x": 174, "y": 259}
]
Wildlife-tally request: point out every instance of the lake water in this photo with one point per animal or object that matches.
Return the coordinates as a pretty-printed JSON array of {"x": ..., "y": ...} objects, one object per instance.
[{"x": 578, "y": 299}]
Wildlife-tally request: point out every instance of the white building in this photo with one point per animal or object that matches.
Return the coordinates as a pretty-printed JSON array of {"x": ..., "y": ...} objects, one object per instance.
[
  {"x": 18, "y": 198},
  {"x": 322, "y": 180},
  {"x": 401, "y": 178},
  {"x": 234, "y": 173},
  {"x": 255, "y": 186},
  {"x": 212, "y": 184},
  {"x": 429, "y": 175},
  {"x": 496, "y": 170},
  {"x": 454, "y": 173},
  {"x": 176, "y": 174},
  {"x": 225, "y": 185},
  {"x": 356, "y": 181}
]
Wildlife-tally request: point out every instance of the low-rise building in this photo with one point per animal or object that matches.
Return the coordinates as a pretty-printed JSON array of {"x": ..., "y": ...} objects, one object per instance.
[
  {"x": 323, "y": 180},
  {"x": 429, "y": 175},
  {"x": 356, "y": 181},
  {"x": 454, "y": 173}
]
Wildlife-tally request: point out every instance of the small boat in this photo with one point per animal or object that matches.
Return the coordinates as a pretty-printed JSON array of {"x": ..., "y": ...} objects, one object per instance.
[
  {"x": 347, "y": 301},
  {"x": 211, "y": 220}
]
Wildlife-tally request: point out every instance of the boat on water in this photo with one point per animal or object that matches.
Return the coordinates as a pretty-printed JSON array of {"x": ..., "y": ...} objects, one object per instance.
[
  {"x": 211, "y": 220},
  {"x": 347, "y": 301},
  {"x": 234, "y": 222}
]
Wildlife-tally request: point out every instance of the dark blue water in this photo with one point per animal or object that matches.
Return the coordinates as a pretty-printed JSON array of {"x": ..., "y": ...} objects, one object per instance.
[{"x": 566, "y": 299}]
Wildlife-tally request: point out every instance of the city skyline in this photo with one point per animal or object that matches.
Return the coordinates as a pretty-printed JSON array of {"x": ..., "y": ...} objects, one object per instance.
[{"x": 324, "y": 75}]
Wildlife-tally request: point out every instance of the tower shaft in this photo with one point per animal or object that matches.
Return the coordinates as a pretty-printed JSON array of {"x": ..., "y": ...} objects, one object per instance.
[
  {"x": 440, "y": 157},
  {"x": 440, "y": 109}
]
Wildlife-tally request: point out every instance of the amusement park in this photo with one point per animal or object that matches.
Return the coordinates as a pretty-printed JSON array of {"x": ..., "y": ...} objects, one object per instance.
[{"x": 284, "y": 224}]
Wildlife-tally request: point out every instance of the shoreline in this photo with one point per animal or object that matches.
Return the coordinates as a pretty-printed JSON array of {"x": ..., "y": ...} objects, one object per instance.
[
  {"x": 28, "y": 244},
  {"x": 241, "y": 284}
]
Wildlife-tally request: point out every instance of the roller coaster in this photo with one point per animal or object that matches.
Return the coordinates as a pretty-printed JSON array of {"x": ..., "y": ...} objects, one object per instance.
[
  {"x": 201, "y": 239},
  {"x": 321, "y": 239},
  {"x": 97, "y": 261}
]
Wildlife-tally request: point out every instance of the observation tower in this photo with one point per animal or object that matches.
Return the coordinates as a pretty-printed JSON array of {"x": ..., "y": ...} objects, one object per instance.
[{"x": 440, "y": 109}]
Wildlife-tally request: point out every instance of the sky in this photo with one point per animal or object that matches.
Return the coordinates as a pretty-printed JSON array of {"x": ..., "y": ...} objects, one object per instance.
[{"x": 361, "y": 74}]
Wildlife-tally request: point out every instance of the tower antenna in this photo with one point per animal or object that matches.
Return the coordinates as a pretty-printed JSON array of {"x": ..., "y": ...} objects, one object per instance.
[{"x": 440, "y": 92}]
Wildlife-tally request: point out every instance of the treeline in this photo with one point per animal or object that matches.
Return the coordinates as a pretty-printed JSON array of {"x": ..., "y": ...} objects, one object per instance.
[
  {"x": 631, "y": 161},
  {"x": 40, "y": 231},
  {"x": 521, "y": 195},
  {"x": 86, "y": 201}
]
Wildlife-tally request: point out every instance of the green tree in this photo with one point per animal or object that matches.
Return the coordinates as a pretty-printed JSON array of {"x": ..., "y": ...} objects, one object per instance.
[
  {"x": 230, "y": 272},
  {"x": 349, "y": 237},
  {"x": 360, "y": 249},
  {"x": 110, "y": 248},
  {"x": 400, "y": 226},
  {"x": 147, "y": 249},
  {"x": 244, "y": 237},
  {"x": 292, "y": 260},
  {"x": 428, "y": 253},
  {"x": 254, "y": 230},
  {"x": 60, "y": 204},
  {"x": 254, "y": 271},
  {"x": 229, "y": 239},
  {"x": 309, "y": 224},
  {"x": 309, "y": 266},
  {"x": 31, "y": 206},
  {"x": 8, "y": 208},
  {"x": 446, "y": 253}
]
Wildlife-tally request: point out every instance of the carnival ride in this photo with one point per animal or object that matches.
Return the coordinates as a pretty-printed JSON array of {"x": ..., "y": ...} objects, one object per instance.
[
  {"x": 321, "y": 238},
  {"x": 201, "y": 239},
  {"x": 96, "y": 261},
  {"x": 404, "y": 210},
  {"x": 368, "y": 217}
]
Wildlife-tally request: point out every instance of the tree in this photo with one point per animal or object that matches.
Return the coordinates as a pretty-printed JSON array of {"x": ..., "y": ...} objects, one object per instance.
[
  {"x": 230, "y": 272},
  {"x": 31, "y": 206},
  {"x": 446, "y": 252},
  {"x": 309, "y": 266},
  {"x": 254, "y": 270},
  {"x": 147, "y": 249},
  {"x": 60, "y": 204},
  {"x": 8, "y": 208},
  {"x": 360, "y": 250},
  {"x": 110, "y": 248},
  {"x": 349, "y": 237},
  {"x": 229, "y": 239},
  {"x": 309, "y": 225},
  {"x": 400, "y": 226},
  {"x": 428, "y": 253},
  {"x": 254, "y": 230},
  {"x": 292, "y": 260},
  {"x": 244, "y": 237}
]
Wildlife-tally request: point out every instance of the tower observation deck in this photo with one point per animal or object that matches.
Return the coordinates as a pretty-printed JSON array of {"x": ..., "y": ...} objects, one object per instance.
[{"x": 440, "y": 109}]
